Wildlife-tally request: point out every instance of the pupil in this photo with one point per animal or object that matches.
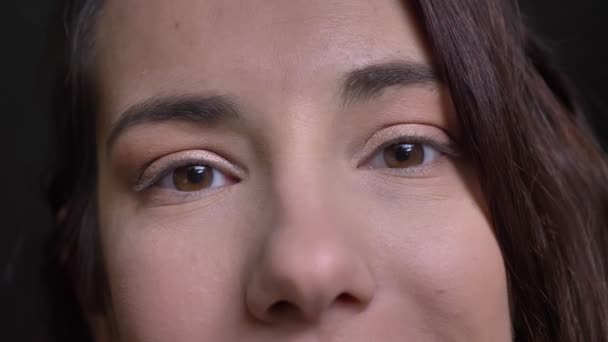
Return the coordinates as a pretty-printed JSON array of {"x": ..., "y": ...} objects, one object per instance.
[
  {"x": 403, "y": 152},
  {"x": 196, "y": 174}
]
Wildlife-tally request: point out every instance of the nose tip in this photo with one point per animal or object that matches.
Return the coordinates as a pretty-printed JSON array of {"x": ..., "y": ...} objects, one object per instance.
[{"x": 299, "y": 279}]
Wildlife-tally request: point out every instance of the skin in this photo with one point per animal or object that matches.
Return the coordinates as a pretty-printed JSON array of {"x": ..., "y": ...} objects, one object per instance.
[{"x": 310, "y": 236}]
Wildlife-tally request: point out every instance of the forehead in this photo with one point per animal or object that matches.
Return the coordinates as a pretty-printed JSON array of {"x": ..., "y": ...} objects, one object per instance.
[{"x": 150, "y": 47}]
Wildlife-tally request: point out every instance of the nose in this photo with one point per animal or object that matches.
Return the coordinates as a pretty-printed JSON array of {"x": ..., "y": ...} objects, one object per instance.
[{"x": 308, "y": 269}]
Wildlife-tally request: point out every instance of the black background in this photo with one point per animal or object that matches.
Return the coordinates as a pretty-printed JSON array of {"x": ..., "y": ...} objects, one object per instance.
[{"x": 576, "y": 30}]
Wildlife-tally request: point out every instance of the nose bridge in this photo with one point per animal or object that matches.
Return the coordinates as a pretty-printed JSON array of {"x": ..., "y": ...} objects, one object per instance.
[
  {"x": 300, "y": 195},
  {"x": 306, "y": 193},
  {"x": 302, "y": 176},
  {"x": 307, "y": 246},
  {"x": 308, "y": 261}
]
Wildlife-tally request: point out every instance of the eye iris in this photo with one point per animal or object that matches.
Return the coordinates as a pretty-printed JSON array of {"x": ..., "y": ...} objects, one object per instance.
[
  {"x": 192, "y": 178},
  {"x": 403, "y": 155}
]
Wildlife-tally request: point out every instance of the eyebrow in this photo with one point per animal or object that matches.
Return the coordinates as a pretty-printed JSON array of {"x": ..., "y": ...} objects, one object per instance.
[
  {"x": 370, "y": 81},
  {"x": 358, "y": 85},
  {"x": 205, "y": 110}
]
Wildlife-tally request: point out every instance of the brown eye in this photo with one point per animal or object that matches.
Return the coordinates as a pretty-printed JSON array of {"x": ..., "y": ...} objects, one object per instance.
[
  {"x": 403, "y": 155},
  {"x": 193, "y": 177}
]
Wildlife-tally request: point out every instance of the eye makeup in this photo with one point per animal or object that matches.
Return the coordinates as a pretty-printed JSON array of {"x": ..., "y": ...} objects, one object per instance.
[
  {"x": 429, "y": 138},
  {"x": 161, "y": 167},
  {"x": 409, "y": 133}
]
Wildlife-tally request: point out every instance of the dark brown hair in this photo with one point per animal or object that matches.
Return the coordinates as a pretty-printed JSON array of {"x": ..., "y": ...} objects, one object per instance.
[{"x": 544, "y": 177}]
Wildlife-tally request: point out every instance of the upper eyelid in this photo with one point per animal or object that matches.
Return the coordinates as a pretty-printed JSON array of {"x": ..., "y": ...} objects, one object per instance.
[
  {"x": 146, "y": 177},
  {"x": 413, "y": 133},
  {"x": 447, "y": 148},
  {"x": 149, "y": 177},
  {"x": 417, "y": 171},
  {"x": 443, "y": 150}
]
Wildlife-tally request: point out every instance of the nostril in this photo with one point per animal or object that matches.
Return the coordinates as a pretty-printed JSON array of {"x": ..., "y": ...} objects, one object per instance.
[
  {"x": 281, "y": 308},
  {"x": 287, "y": 310},
  {"x": 347, "y": 299}
]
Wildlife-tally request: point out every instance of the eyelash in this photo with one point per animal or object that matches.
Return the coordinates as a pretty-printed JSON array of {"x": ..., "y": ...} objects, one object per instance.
[
  {"x": 445, "y": 148},
  {"x": 152, "y": 176},
  {"x": 449, "y": 149}
]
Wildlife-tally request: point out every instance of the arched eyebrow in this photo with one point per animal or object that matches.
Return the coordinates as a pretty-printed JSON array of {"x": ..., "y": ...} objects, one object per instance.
[
  {"x": 206, "y": 110},
  {"x": 370, "y": 81},
  {"x": 361, "y": 84}
]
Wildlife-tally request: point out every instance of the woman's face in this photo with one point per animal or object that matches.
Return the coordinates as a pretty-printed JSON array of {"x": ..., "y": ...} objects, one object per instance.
[{"x": 286, "y": 171}]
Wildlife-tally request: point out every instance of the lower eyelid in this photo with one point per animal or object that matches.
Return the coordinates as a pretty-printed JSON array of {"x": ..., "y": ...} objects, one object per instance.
[
  {"x": 163, "y": 196},
  {"x": 417, "y": 171},
  {"x": 167, "y": 197}
]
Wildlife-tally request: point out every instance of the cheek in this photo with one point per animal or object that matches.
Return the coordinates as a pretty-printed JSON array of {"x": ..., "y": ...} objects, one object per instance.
[
  {"x": 439, "y": 259},
  {"x": 172, "y": 274},
  {"x": 178, "y": 273}
]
